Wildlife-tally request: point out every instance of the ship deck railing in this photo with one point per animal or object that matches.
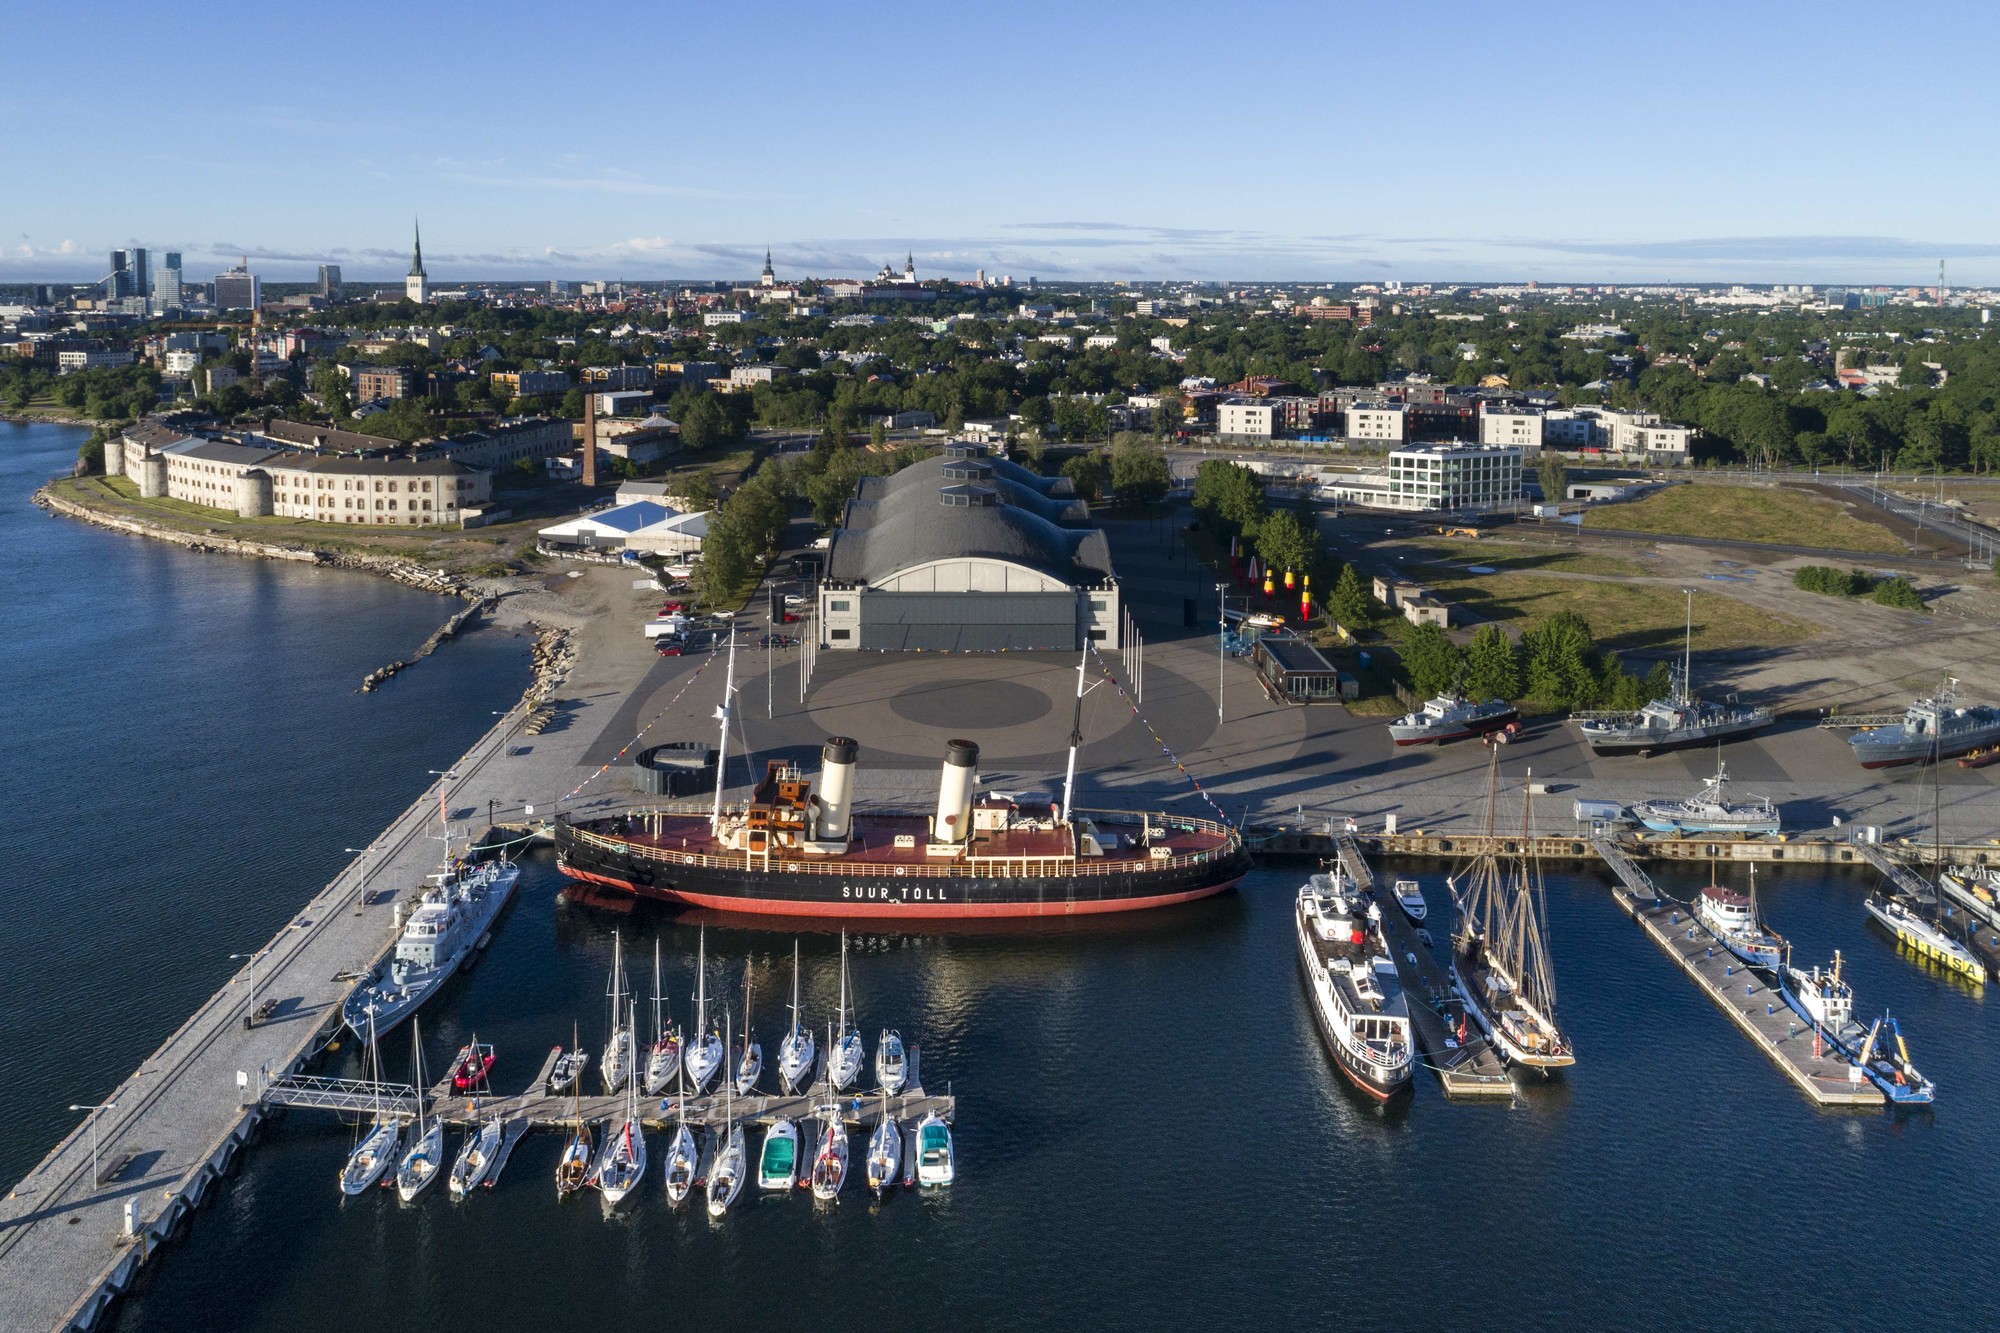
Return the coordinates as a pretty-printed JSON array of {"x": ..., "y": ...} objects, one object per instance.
[
  {"x": 1856, "y": 721},
  {"x": 967, "y": 866}
]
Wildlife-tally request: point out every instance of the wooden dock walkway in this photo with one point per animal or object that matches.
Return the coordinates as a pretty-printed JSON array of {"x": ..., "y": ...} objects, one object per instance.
[
  {"x": 1471, "y": 1068},
  {"x": 1752, "y": 1003}
]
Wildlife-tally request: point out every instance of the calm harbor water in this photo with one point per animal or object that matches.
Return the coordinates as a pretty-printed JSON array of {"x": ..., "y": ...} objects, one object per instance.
[
  {"x": 186, "y": 756},
  {"x": 1150, "y": 1134}
]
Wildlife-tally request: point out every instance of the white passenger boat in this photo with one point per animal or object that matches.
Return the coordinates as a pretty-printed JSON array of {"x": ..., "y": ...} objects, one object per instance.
[
  {"x": 1357, "y": 999},
  {"x": 1732, "y": 918}
]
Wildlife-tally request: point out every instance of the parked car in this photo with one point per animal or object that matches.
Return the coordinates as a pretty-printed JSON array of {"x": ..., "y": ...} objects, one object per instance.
[
  {"x": 673, "y": 608},
  {"x": 672, "y": 647},
  {"x": 777, "y": 641}
]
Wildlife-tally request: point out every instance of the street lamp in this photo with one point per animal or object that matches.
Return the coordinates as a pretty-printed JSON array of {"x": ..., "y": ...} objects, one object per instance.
[{"x": 101, "y": 1106}]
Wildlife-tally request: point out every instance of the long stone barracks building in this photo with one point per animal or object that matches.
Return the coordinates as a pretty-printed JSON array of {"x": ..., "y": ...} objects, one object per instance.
[
  {"x": 968, "y": 553},
  {"x": 254, "y": 480}
]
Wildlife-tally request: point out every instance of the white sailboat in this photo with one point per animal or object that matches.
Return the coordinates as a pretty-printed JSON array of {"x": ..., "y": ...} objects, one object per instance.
[
  {"x": 704, "y": 1054},
  {"x": 623, "y": 1164},
  {"x": 425, "y": 1159},
  {"x": 845, "y": 1054},
  {"x": 796, "y": 1052},
  {"x": 725, "y": 1174},
  {"x": 683, "y": 1160},
  {"x": 377, "y": 1149},
  {"x": 617, "y": 1063},
  {"x": 476, "y": 1158},
  {"x": 892, "y": 1067},
  {"x": 663, "y": 1058},
  {"x": 829, "y": 1168},
  {"x": 936, "y": 1162},
  {"x": 885, "y": 1152},
  {"x": 573, "y": 1167},
  {"x": 750, "y": 1060},
  {"x": 778, "y": 1163}
]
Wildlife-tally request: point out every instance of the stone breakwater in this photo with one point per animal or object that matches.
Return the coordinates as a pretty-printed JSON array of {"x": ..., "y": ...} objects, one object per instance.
[
  {"x": 402, "y": 571},
  {"x": 554, "y": 655}
]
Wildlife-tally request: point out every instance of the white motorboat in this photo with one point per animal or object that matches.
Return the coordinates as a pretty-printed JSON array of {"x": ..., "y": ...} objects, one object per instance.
[
  {"x": 704, "y": 1054},
  {"x": 885, "y": 1152},
  {"x": 568, "y": 1069},
  {"x": 616, "y": 1066},
  {"x": 731, "y": 1164},
  {"x": 1410, "y": 897},
  {"x": 892, "y": 1068},
  {"x": 424, "y": 1162},
  {"x": 845, "y": 1052},
  {"x": 829, "y": 1168},
  {"x": 623, "y": 1165},
  {"x": 936, "y": 1162},
  {"x": 476, "y": 1158},
  {"x": 796, "y": 1053},
  {"x": 1357, "y": 998},
  {"x": 377, "y": 1149},
  {"x": 778, "y": 1164},
  {"x": 663, "y": 1057},
  {"x": 749, "y": 1060}
]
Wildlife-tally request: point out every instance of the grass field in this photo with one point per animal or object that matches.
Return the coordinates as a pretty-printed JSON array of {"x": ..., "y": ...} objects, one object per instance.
[
  {"x": 1626, "y": 617},
  {"x": 1743, "y": 513}
]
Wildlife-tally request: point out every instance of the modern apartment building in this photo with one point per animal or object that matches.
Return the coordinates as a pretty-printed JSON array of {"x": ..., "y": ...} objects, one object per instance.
[
  {"x": 1454, "y": 476},
  {"x": 529, "y": 383}
]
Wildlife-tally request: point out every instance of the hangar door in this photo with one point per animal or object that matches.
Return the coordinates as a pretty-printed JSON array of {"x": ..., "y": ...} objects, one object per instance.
[{"x": 969, "y": 621}]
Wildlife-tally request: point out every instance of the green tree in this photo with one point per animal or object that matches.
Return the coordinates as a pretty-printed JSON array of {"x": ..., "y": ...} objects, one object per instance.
[
  {"x": 1433, "y": 661},
  {"x": 1899, "y": 593},
  {"x": 1139, "y": 473},
  {"x": 1088, "y": 473},
  {"x": 1559, "y": 656},
  {"x": 1349, "y": 603},
  {"x": 1229, "y": 495},
  {"x": 1492, "y": 670},
  {"x": 878, "y": 433},
  {"x": 1286, "y": 543},
  {"x": 1555, "y": 477}
]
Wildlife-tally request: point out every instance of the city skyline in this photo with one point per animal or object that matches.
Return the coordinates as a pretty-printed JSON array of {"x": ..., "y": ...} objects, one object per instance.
[{"x": 1316, "y": 143}]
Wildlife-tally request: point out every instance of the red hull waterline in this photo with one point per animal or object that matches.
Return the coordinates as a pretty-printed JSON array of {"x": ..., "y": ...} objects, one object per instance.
[{"x": 895, "y": 911}]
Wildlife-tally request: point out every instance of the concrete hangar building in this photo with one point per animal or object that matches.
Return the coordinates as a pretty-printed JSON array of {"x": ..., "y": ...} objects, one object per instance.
[{"x": 968, "y": 553}]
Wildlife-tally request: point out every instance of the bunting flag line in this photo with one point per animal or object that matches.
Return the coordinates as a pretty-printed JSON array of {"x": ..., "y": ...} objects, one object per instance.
[
  {"x": 1165, "y": 749},
  {"x": 627, "y": 747}
]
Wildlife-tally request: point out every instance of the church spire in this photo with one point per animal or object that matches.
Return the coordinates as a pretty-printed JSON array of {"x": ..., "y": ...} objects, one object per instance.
[{"x": 417, "y": 255}]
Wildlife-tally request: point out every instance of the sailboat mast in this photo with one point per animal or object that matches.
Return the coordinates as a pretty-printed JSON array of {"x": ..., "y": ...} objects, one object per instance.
[
  {"x": 722, "y": 749},
  {"x": 843, "y": 984},
  {"x": 659, "y": 1023},
  {"x": 1687, "y": 646},
  {"x": 701, "y": 988},
  {"x": 1075, "y": 736}
]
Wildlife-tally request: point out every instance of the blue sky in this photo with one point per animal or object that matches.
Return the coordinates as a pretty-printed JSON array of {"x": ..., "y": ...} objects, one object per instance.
[{"x": 1752, "y": 141}]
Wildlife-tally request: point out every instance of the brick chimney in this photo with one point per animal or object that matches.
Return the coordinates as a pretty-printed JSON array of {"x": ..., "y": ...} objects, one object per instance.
[{"x": 589, "y": 438}]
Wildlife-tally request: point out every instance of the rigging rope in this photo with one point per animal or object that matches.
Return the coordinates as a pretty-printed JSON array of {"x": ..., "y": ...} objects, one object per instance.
[
  {"x": 1165, "y": 749},
  {"x": 627, "y": 747}
]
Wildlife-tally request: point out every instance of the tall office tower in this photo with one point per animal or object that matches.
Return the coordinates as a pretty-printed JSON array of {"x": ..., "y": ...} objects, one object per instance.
[
  {"x": 118, "y": 282},
  {"x": 238, "y": 289},
  {"x": 167, "y": 293},
  {"x": 142, "y": 274},
  {"x": 329, "y": 281}
]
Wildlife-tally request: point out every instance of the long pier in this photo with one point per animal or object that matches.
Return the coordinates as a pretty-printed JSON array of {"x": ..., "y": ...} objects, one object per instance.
[
  {"x": 76, "y": 1229},
  {"x": 1752, "y": 1003},
  {"x": 1468, "y": 1068}
]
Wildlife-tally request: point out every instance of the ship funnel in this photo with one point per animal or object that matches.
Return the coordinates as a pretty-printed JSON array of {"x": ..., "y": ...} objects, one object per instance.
[
  {"x": 836, "y": 788},
  {"x": 954, "y": 808}
]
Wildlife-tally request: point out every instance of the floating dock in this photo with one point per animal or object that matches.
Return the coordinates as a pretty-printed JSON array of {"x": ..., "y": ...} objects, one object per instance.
[
  {"x": 1752, "y": 1003},
  {"x": 1471, "y": 1068}
]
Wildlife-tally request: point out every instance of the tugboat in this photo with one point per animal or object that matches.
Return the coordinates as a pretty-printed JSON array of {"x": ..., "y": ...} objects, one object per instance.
[
  {"x": 1449, "y": 717},
  {"x": 1707, "y": 811},
  {"x": 1934, "y": 728},
  {"x": 1825, "y": 1000},
  {"x": 1677, "y": 721},
  {"x": 1732, "y": 918},
  {"x": 458, "y": 906},
  {"x": 794, "y": 851},
  {"x": 1500, "y": 949},
  {"x": 1356, "y": 997}
]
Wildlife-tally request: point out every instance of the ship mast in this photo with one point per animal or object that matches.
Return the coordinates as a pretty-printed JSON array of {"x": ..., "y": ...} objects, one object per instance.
[
  {"x": 1075, "y": 736},
  {"x": 722, "y": 749}
]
